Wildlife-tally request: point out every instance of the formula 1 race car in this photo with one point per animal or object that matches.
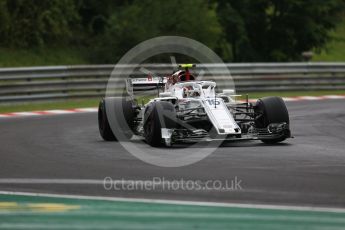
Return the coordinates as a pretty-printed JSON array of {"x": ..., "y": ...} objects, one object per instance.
[{"x": 189, "y": 110}]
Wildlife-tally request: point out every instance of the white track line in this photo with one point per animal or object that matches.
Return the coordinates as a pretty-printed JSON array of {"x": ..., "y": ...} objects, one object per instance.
[
  {"x": 23, "y": 114},
  {"x": 87, "y": 110},
  {"x": 287, "y": 99},
  {"x": 49, "y": 112},
  {"x": 80, "y": 181},
  {"x": 109, "y": 183},
  {"x": 309, "y": 98},
  {"x": 333, "y": 97},
  {"x": 60, "y": 111},
  {"x": 180, "y": 202},
  {"x": 49, "y": 181}
]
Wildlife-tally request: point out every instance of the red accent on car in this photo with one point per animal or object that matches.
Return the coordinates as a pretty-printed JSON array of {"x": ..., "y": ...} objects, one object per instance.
[{"x": 187, "y": 75}]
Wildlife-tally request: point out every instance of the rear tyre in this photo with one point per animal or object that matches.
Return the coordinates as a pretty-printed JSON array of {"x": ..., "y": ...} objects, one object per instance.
[
  {"x": 103, "y": 123},
  {"x": 272, "y": 110},
  {"x": 123, "y": 122},
  {"x": 158, "y": 115}
]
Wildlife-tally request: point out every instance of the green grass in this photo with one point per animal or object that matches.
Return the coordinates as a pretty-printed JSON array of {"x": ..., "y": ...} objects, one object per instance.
[
  {"x": 14, "y": 57},
  {"x": 66, "y": 104},
  {"x": 335, "y": 49},
  {"x": 84, "y": 103},
  {"x": 31, "y": 212},
  {"x": 293, "y": 93}
]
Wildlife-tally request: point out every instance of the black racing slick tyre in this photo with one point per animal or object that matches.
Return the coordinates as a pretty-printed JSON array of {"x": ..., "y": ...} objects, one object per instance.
[
  {"x": 271, "y": 110},
  {"x": 124, "y": 122},
  {"x": 103, "y": 123},
  {"x": 158, "y": 115}
]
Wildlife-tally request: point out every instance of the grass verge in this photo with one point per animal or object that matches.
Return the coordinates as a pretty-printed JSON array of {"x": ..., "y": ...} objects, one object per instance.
[
  {"x": 293, "y": 93},
  {"x": 65, "y": 104},
  {"x": 14, "y": 57},
  {"x": 93, "y": 102}
]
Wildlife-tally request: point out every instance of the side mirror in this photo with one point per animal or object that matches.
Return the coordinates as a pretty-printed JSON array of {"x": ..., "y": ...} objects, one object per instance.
[
  {"x": 165, "y": 94},
  {"x": 228, "y": 92}
]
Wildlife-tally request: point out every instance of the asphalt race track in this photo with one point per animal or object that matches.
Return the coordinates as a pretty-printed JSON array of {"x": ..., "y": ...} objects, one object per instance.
[{"x": 306, "y": 170}]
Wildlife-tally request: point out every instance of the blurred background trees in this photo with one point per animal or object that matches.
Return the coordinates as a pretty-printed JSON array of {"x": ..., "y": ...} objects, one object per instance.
[
  {"x": 277, "y": 30},
  {"x": 142, "y": 20},
  {"x": 31, "y": 23},
  {"x": 103, "y": 30}
]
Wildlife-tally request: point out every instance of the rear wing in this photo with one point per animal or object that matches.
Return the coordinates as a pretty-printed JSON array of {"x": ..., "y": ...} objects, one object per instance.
[{"x": 144, "y": 84}]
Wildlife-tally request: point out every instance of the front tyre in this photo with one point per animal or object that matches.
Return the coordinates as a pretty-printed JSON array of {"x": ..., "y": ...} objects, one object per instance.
[
  {"x": 158, "y": 115},
  {"x": 272, "y": 110}
]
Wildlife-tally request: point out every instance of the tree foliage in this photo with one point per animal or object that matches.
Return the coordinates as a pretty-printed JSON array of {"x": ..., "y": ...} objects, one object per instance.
[
  {"x": 240, "y": 31},
  {"x": 27, "y": 23},
  {"x": 277, "y": 30},
  {"x": 141, "y": 20}
]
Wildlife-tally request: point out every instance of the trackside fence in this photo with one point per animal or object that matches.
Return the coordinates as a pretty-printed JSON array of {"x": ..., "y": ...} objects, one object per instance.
[{"x": 62, "y": 82}]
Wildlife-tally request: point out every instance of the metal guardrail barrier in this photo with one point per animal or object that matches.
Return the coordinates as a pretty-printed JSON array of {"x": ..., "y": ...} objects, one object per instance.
[{"x": 61, "y": 82}]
